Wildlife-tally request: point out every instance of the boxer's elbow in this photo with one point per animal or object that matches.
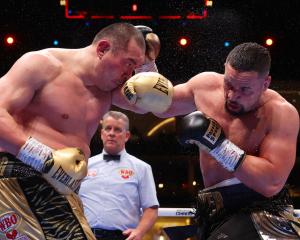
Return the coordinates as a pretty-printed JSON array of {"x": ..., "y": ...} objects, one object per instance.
[{"x": 271, "y": 190}]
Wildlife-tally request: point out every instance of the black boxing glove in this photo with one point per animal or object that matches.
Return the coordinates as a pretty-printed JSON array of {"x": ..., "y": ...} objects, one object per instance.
[
  {"x": 152, "y": 49},
  {"x": 196, "y": 128}
]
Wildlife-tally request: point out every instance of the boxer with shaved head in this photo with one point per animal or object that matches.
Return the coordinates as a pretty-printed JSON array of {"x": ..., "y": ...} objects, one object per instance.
[{"x": 50, "y": 105}]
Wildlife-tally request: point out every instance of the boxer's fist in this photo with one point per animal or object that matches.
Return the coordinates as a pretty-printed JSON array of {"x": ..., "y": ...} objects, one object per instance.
[
  {"x": 152, "y": 49},
  {"x": 64, "y": 168},
  {"x": 152, "y": 42},
  {"x": 149, "y": 91},
  {"x": 196, "y": 128}
]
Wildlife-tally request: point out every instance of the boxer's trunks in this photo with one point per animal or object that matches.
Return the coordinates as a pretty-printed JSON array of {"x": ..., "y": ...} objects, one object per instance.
[
  {"x": 30, "y": 208},
  {"x": 237, "y": 212}
]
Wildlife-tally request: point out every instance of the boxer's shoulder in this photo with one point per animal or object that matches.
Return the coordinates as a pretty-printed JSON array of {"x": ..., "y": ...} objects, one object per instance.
[
  {"x": 42, "y": 61},
  {"x": 277, "y": 104},
  {"x": 279, "y": 114},
  {"x": 206, "y": 85},
  {"x": 33, "y": 69},
  {"x": 207, "y": 79}
]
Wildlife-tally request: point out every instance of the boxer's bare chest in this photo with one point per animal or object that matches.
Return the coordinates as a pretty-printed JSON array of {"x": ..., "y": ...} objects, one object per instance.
[
  {"x": 246, "y": 131},
  {"x": 68, "y": 106}
]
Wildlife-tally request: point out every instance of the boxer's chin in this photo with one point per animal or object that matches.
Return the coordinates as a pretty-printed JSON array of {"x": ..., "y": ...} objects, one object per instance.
[{"x": 235, "y": 111}]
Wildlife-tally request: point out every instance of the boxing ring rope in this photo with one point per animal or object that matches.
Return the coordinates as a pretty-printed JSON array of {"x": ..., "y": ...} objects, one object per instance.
[{"x": 188, "y": 212}]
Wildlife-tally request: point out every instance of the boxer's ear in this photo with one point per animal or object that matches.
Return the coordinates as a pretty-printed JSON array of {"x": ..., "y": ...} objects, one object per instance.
[
  {"x": 267, "y": 82},
  {"x": 103, "y": 46}
]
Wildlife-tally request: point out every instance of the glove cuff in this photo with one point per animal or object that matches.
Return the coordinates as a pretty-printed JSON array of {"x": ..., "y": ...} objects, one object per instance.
[
  {"x": 34, "y": 153},
  {"x": 228, "y": 155},
  {"x": 147, "y": 67}
]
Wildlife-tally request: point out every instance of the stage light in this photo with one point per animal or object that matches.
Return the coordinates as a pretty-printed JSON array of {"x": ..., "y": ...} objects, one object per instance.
[
  {"x": 226, "y": 44},
  {"x": 134, "y": 7},
  {"x": 184, "y": 41},
  {"x": 55, "y": 42},
  {"x": 269, "y": 41},
  {"x": 9, "y": 40},
  {"x": 208, "y": 3}
]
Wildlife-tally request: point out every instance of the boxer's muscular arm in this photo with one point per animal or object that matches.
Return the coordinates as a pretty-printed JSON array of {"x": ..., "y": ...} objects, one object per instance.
[
  {"x": 192, "y": 92},
  {"x": 18, "y": 87},
  {"x": 268, "y": 172},
  {"x": 182, "y": 102}
]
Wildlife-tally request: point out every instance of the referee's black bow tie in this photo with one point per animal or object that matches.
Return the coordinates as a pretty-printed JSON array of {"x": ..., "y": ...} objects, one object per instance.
[{"x": 110, "y": 157}]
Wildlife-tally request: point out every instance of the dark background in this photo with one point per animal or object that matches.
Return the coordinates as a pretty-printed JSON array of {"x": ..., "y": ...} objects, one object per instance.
[{"x": 37, "y": 23}]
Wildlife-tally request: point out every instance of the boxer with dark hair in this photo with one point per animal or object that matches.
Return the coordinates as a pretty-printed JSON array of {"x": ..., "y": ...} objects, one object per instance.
[
  {"x": 247, "y": 138},
  {"x": 50, "y": 106}
]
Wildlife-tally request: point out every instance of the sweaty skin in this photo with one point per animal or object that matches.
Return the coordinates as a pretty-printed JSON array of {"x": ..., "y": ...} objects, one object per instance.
[
  {"x": 255, "y": 118},
  {"x": 59, "y": 95}
]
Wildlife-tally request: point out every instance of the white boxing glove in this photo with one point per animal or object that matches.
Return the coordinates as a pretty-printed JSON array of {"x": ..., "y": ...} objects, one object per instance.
[
  {"x": 64, "y": 169},
  {"x": 149, "y": 91}
]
